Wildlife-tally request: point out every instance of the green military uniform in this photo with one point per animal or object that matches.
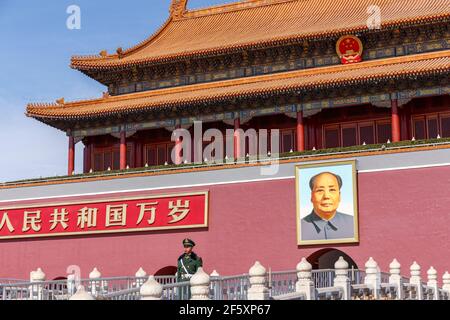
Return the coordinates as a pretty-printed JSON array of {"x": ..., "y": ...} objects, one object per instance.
[{"x": 188, "y": 265}]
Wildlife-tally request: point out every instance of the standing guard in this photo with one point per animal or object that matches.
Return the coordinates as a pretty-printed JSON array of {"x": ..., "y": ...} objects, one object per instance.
[{"x": 188, "y": 264}]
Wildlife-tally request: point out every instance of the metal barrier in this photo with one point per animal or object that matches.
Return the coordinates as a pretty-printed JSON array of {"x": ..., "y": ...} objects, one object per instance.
[
  {"x": 323, "y": 278},
  {"x": 49, "y": 290},
  {"x": 281, "y": 283},
  {"x": 9, "y": 280},
  {"x": 171, "y": 291},
  {"x": 301, "y": 284},
  {"x": 330, "y": 293},
  {"x": 64, "y": 289},
  {"x": 130, "y": 294},
  {"x": 410, "y": 291},
  {"x": 177, "y": 291},
  {"x": 230, "y": 288}
]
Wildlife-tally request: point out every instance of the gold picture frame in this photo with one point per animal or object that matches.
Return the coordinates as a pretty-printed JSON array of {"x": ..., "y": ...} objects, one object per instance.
[{"x": 349, "y": 168}]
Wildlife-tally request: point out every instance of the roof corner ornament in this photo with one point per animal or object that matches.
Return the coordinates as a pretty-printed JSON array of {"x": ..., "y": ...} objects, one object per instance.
[
  {"x": 177, "y": 8},
  {"x": 350, "y": 49},
  {"x": 119, "y": 52},
  {"x": 60, "y": 101},
  {"x": 103, "y": 53}
]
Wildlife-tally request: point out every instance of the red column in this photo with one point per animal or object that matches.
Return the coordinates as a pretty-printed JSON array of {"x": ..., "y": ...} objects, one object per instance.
[
  {"x": 178, "y": 148},
  {"x": 300, "y": 132},
  {"x": 123, "y": 150},
  {"x": 71, "y": 165},
  {"x": 395, "y": 121},
  {"x": 237, "y": 139}
]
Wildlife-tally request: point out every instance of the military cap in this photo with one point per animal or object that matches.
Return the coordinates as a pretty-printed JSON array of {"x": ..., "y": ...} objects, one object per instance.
[{"x": 188, "y": 243}]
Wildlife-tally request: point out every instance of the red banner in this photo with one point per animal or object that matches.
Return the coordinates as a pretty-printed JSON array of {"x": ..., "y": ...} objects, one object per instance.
[{"x": 177, "y": 211}]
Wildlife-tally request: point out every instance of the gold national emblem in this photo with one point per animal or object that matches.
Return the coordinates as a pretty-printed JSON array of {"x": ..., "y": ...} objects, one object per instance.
[{"x": 350, "y": 49}]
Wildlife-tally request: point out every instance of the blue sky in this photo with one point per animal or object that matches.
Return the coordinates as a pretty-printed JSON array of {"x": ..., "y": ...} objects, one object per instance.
[{"x": 34, "y": 67}]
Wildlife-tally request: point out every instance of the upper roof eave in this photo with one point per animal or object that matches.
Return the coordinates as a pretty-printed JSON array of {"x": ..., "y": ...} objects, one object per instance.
[{"x": 142, "y": 55}]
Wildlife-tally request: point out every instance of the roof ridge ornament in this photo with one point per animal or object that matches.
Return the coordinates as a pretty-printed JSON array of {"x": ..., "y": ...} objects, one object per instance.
[
  {"x": 177, "y": 8},
  {"x": 60, "y": 101},
  {"x": 119, "y": 52}
]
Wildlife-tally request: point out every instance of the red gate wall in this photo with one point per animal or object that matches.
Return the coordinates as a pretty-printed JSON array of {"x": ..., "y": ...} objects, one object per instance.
[{"x": 404, "y": 214}]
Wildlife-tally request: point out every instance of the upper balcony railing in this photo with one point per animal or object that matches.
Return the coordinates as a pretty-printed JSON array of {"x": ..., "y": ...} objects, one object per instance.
[{"x": 270, "y": 158}]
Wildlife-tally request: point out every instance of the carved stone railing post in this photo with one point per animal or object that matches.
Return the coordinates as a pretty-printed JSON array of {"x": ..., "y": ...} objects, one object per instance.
[
  {"x": 95, "y": 284},
  {"x": 305, "y": 284},
  {"x": 258, "y": 289},
  {"x": 446, "y": 283},
  {"x": 372, "y": 278},
  {"x": 416, "y": 279},
  {"x": 396, "y": 278},
  {"x": 82, "y": 294},
  {"x": 140, "y": 275},
  {"x": 199, "y": 283},
  {"x": 37, "y": 288},
  {"x": 215, "y": 286},
  {"x": 433, "y": 283},
  {"x": 214, "y": 274},
  {"x": 341, "y": 279},
  {"x": 151, "y": 289}
]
